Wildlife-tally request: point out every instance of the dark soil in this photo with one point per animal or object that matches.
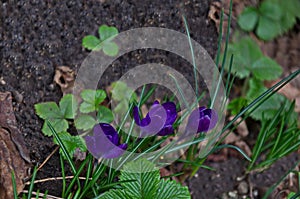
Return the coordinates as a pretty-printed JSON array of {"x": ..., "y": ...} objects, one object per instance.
[{"x": 36, "y": 36}]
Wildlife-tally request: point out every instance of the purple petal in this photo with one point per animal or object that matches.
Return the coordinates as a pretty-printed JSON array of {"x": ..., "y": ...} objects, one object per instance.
[
  {"x": 117, "y": 151},
  {"x": 153, "y": 128},
  {"x": 136, "y": 115},
  {"x": 167, "y": 130},
  {"x": 202, "y": 120},
  {"x": 170, "y": 108},
  {"x": 110, "y": 132}
]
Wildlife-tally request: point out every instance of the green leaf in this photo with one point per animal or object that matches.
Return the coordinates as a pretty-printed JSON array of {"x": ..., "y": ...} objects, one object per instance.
[
  {"x": 107, "y": 32},
  {"x": 267, "y": 29},
  {"x": 271, "y": 10},
  {"x": 71, "y": 143},
  {"x": 115, "y": 194},
  {"x": 266, "y": 69},
  {"x": 172, "y": 190},
  {"x": 121, "y": 91},
  {"x": 92, "y": 100},
  {"x": 68, "y": 106},
  {"x": 85, "y": 122},
  {"x": 269, "y": 107},
  {"x": 248, "y": 19},
  {"x": 105, "y": 115},
  {"x": 145, "y": 179},
  {"x": 90, "y": 42},
  {"x": 236, "y": 105},
  {"x": 48, "y": 110},
  {"x": 245, "y": 52},
  {"x": 110, "y": 48},
  {"x": 59, "y": 125}
]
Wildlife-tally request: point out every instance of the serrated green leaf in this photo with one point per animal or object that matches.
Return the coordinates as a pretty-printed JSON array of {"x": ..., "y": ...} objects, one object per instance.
[
  {"x": 107, "y": 32},
  {"x": 266, "y": 69},
  {"x": 115, "y": 194},
  {"x": 68, "y": 106},
  {"x": 48, "y": 110},
  {"x": 71, "y": 143},
  {"x": 104, "y": 115},
  {"x": 85, "y": 122},
  {"x": 248, "y": 19},
  {"x": 172, "y": 190},
  {"x": 236, "y": 105},
  {"x": 110, "y": 48},
  {"x": 267, "y": 29},
  {"x": 92, "y": 100},
  {"x": 59, "y": 125},
  {"x": 270, "y": 10},
  {"x": 90, "y": 42},
  {"x": 145, "y": 179}
]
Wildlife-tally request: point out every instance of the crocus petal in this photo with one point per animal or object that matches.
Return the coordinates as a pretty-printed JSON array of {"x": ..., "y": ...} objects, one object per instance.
[
  {"x": 117, "y": 151},
  {"x": 201, "y": 120},
  {"x": 167, "y": 130},
  {"x": 159, "y": 119},
  {"x": 105, "y": 142},
  {"x": 170, "y": 108}
]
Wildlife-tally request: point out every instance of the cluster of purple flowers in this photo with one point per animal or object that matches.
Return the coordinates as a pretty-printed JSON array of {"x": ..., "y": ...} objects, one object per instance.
[{"x": 159, "y": 120}]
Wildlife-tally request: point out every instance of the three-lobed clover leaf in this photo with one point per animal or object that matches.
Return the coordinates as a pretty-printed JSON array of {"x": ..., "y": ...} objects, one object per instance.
[
  {"x": 57, "y": 115},
  {"x": 104, "y": 42},
  {"x": 91, "y": 100}
]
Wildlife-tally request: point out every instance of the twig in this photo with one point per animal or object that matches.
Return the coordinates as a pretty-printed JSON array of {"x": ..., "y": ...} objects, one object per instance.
[
  {"x": 55, "y": 178},
  {"x": 42, "y": 195},
  {"x": 49, "y": 156}
]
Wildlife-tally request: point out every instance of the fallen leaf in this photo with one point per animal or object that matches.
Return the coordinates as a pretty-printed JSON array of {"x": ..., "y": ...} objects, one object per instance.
[
  {"x": 13, "y": 151},
  {"x": 65, "y": 77}
]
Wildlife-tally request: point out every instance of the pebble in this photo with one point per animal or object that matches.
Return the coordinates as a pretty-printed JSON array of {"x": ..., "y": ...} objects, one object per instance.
[
  {"x": 233, "y": 194},
  {"x": 18, "y": 96},
  {"x": 243, "y": 187}
]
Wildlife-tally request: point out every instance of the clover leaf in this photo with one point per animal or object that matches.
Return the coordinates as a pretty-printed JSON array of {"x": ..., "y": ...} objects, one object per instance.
[
  {"x": 91, "y": 100},
  {"x": 57, "y": 115},
  {"x": 104, "y": 42}
]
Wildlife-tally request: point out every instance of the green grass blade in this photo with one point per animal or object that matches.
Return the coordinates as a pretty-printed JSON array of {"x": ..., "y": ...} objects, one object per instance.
[
  {"x": 32, "y": 183},
  {"x": 14, "y": 184},
  {"x": 63, "y": 173},
  {"x": 192, "y": 53},
  {"x": 64, "y": 150}
]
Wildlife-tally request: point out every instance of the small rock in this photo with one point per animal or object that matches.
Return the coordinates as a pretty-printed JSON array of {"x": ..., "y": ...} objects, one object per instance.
[
  {"x": 18, "y": 96},
  {"x": 233, "y": 194},
  {"x": 243, "y": 188}
]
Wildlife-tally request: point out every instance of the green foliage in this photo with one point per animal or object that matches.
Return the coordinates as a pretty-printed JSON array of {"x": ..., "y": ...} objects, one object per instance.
[
  {"x": 71, "y": 143},
  {"x": 249, "y": 60},
  {"x": 60, "y": 116},
  {"x": 104, "y": 43},
  {"x": 278, "y": 137},
  {"x": 57, "y": 114},
  {"x": 143, "y": 181},
  {"x": 91, "y": 100},
  {"x": 122, "y": 95},
  {"x": 271, "y": 19}
]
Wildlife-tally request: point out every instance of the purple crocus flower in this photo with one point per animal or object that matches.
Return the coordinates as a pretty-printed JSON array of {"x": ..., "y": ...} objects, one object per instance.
[
  {"x": 105, "y": 142},
  {"x": 159, "y": 119},
  {"x": 201, "y": 120}
]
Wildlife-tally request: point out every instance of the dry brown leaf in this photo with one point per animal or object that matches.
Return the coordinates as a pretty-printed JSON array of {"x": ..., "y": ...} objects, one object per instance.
[
  {"x": 65, "y": 77},
  {"x": 242, "y": 128},
  {"x": 244, "y": 146},
  {"x": 13, "y": 151}
]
